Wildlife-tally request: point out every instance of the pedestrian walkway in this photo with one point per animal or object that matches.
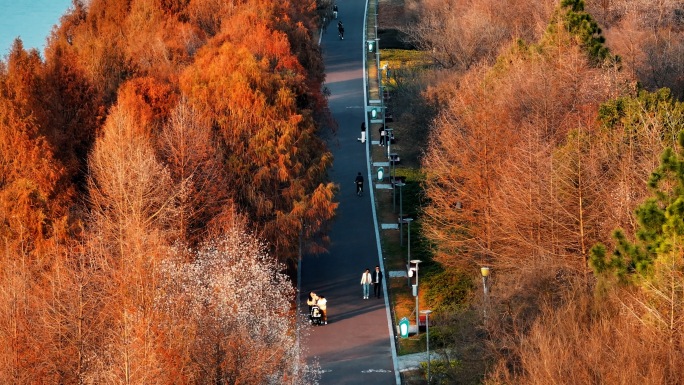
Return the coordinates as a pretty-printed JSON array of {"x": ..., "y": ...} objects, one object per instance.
[{"x": 356, "y": 346}]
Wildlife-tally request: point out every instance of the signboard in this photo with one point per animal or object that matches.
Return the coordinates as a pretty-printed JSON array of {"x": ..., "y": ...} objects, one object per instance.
[{"x": 404, "y": 327}]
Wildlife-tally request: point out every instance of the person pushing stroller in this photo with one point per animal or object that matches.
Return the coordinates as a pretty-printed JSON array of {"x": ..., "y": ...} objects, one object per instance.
[
  {"x": 318, "y": 314},
  {"x": 311, "y": 301}
]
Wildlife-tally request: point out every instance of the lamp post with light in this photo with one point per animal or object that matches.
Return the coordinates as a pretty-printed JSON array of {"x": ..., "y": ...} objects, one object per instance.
[
  {"x": 393, "y": 179},
  {"x": 401, "y": 184},
  {"x": 484, "y": 271},
  {"x": 408, "y": 243},
  {"x": 427, "y": 333},
  {"x": 415, "y": 287}
]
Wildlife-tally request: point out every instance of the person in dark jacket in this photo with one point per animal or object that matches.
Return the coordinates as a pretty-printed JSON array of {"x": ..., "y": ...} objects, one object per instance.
[
  {"x": 359, "y": 184},
  {"x": 377, "y": 282}
]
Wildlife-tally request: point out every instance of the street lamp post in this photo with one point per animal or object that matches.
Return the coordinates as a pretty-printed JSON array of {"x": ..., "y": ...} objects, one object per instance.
[
  {"x": 401, "y": 212},
  {"x": 388, "y": 140},
  {"x": 408, "y": 258},
  {"x": 393, "y": 176},
  {"x": 415, "y": 290},
  {"x": 427, "y": 332},
  {"x": 394, "y": 185},
  {"x": 485, "y": 277}
]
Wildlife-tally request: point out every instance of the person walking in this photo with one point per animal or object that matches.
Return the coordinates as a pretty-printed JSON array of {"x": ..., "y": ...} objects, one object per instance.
[
  {"x": 382, "y": 135},
  {"x": 363, "y": 132},
  {"x": 334, "y": 11},
  {"x": 323, "y": 305},
  {"x": 340, "y": 29},
  {"x": 359, "y": 184},
  {"x": 377, "y": 282},
  {"x": 311, "y": 301},
  {"x": 366, "y": 281}
]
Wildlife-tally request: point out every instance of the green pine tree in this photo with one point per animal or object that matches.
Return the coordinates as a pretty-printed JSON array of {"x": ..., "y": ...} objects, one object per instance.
[
  {"x": 580, "y": 24},
  {"x": 661, "y": 226},
  {"x": 654, "y": 265}
]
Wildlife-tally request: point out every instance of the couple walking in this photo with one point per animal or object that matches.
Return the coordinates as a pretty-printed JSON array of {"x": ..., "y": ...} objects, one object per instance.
[{"x": 375, "y": 279}]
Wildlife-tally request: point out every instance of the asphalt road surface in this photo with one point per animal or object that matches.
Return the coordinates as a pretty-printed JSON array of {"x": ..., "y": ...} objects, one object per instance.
[{"x": 355, "y": 347}]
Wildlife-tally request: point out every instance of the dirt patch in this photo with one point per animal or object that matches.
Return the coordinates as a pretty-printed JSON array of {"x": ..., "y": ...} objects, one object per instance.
[
  {"x": 392, "y": 14},
  {"x": 392, "y": 18}
]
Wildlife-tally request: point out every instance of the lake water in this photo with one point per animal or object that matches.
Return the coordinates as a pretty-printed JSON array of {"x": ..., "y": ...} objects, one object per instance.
[{"x": 32, "y": 20}]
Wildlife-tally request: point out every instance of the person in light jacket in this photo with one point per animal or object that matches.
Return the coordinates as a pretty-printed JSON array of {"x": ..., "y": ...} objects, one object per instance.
[
  {"x": 363, "y": 132},
  {"x": 323, "y": 305},
  {"x": 366, "y": 281}
]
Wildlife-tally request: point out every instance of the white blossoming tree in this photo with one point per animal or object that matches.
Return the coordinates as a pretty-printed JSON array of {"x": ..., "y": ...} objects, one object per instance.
[{"x": 237, "y": 308}]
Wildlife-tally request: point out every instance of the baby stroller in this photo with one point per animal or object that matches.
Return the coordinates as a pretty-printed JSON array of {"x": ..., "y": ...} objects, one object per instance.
[{"x": 316, "y": 316}]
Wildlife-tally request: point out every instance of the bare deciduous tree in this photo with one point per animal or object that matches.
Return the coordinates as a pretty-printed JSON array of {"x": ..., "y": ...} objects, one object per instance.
[
  {"x": 458, "y": 34},
  {"x": 194, "y": 161},
  {"x": 463, "y": 164},
  {"x": 648, "y": 37},
  {"x": 132, "y": 210}
]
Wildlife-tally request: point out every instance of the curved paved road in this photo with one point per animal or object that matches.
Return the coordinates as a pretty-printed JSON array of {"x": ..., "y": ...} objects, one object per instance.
[{"x": 355, "y": 347}]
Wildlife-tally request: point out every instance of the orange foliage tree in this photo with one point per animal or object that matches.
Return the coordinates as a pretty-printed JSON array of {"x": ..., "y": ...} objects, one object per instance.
[
  {"x": 195, "y": 162},
  {"x": 34, "y": 197},
  {"x": 274, "y": 160},
  {"x": 106, "y": 159},
  {"x": 155, "y": 42},
  {"x": 463, "y": 164},
  {"x": 132, "y": 214}
]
